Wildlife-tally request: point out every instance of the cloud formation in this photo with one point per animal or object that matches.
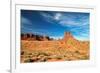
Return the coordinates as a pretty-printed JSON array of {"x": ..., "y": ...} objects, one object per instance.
[{"x": 25, "y": 21}]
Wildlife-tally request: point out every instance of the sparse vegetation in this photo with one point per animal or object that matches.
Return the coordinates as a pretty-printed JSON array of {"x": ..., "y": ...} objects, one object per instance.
[{"x": 56, "y": 50}]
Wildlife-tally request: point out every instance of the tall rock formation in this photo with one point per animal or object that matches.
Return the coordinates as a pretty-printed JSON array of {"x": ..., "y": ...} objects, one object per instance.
[{"x": 67, "y": 35}]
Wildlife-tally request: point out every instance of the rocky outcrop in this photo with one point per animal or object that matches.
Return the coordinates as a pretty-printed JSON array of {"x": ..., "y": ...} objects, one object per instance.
[
  {"x": 67, "y": 35},
  {"x": 30, "y": 36}
]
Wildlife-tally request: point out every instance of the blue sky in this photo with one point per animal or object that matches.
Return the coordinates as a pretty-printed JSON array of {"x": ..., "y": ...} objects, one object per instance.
[{"x": 54, "y": 24}]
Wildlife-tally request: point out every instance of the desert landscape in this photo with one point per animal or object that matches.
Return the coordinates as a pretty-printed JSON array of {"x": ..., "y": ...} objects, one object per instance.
[{"x": 39, "y": 48}]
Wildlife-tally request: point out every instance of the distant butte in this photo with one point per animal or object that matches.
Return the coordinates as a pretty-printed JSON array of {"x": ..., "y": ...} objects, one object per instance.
[{"x": 33, "y": 37}]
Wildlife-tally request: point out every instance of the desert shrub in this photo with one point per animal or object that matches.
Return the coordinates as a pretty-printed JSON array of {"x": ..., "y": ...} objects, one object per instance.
[
  {"x": 58, "y": 57},
  {"x": 40, "y": 56},
  {"x": 85, "y": 57},
  {"x": 22, "y": 52},
  {"x": 29, "y": 60},
  {"x": 29, "y": 53},
  {"x": 64, "y": 56},
  {"x": 68, "y": 59},
  {"x": 43, "y": 60},
  {"x": 77, "y": 52},
  {"x": 35, "y": 54},
  {"x": 49, "y": 57},
  {"x": 43, "y": 53},
  {"x": 29, "y": 56}
]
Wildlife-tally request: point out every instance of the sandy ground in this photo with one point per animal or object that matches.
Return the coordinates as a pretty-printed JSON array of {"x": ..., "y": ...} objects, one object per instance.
[{"x": 59, "y": 50}]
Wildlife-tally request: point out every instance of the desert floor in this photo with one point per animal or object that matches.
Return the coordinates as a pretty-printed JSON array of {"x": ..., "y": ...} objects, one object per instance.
[{"x": 49, "y": 51}]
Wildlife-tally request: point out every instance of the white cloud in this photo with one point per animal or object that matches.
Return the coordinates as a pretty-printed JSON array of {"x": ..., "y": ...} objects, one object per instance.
[
  {"x": 47, "y": 17},
  {"x": 66, "y": 19},
  {"x": 25, "y": 21},
  {"x": 68, "y": 23},
  {"x": 74, "y": 21},
  {"x": 57, "y": 16}
]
